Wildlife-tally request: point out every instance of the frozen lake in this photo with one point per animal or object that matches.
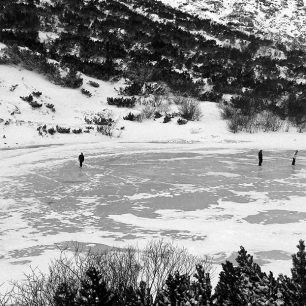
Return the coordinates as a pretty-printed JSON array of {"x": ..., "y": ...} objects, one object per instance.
[{"x": 209, "y": 200}]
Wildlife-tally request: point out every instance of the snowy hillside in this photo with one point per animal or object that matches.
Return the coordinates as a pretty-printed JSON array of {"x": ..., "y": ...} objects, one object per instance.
[
  {"x": 20, "y": 121},
  {"x": 280, "y": 20}
]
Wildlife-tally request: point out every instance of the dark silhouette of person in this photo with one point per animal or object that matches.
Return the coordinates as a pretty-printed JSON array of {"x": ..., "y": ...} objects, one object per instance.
[
  {"x": 260, "y": 158},
  {"x": 294, "y": 157},
  {"x": 81, "y": 159}
]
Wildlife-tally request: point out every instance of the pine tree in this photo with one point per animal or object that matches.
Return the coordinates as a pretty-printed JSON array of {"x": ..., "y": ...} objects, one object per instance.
[
  {"x": 93, "y": 291},
  {"x": 228, "y": 289},
  {"x": 299, "y": 272},
  {"x": 255, "y": 285},
  {"x": 202, "y": 287}
]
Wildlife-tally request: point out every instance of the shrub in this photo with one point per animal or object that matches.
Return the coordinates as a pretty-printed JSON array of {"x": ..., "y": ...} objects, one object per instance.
[
  {"x": 153, "y": 89},
  {"x": 132, "y": 89},
  {"x": 72, "y": 79},
  {"x": 102, "y": 118},
  {"x": 238, "y": 122},
  {"x": 51, "y": 107},
  {"x": 35, "y": 104},
  {"x": 13, "y": 87},
  {"x": 227, "y": 111},
  {"x": 154, "y": 105},
  {"x": 77, "y": 131},
  {"x": 122, "y": 102},
  {"x": 28, "y": 98},
  {"x": 157, "y": 115},
  {"x": 62, "y": 130},
  {"x": 107, "y": 130},
  {"x": 190, "y": 110},
  {"x": 167, "y": 118},
  {"x": 105, "y": 124},
  {"x": 37, "y": 94},
  {"x": 86, "y": 92},
  {"x": 94, "y": 84},
  {"x": 148, "y": 112},
  {"x": 51, "y": 131},
  {"x": 270, "y": 122},
  {"x": 133, "y": 117},
  {"x": 181, "y": 121},
  {"x": 210, "y": 96}
]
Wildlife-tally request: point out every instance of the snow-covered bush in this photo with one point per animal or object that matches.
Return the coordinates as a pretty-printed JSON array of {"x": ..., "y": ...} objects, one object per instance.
[
  {"x": 102, "y": 118},
  {"x": 190, "y": 110},
  {"x": 148, "y": 111},
  {"x": 265, "y": 121},
  {"x": 104, "y": 122},
  {"x": 107, "y": 129},
  {"x": 269, "y": 122}
]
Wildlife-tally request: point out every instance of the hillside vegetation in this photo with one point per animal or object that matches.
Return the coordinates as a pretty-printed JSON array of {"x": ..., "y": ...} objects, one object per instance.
[{"x": 148, "y": 42}]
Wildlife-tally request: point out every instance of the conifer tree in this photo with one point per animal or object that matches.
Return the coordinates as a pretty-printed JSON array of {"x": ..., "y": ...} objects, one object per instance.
[
  {"x": 299, "y": 272},
  {"x": 228, "y": 289}
]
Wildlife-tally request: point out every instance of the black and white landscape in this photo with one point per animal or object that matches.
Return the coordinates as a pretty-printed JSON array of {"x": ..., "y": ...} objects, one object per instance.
[{"x": 170, "y": 102}]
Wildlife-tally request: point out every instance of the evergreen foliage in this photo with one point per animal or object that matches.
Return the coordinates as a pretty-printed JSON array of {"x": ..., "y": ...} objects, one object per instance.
[{"x": 115, "y": 278}]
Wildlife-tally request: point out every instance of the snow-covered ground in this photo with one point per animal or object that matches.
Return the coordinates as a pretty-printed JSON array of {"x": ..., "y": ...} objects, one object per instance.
[{"x": 196, "y": 184}]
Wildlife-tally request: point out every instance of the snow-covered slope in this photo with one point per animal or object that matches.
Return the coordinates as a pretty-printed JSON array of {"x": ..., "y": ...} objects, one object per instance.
[
  {"x": 19, "y": 121},
  {"x": 280, "y": 20}
]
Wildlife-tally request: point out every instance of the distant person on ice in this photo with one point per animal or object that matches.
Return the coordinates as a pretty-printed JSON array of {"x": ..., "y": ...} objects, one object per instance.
[
  {"x": 260, "y": 158},
  {"x": 294, "y": 157},
  {"x": 81, "y": 159}
]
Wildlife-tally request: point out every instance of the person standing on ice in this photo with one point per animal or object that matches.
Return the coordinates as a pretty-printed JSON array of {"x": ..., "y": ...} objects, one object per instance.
[
  {"x": 81, "y": 159},
  {"x": 294, "y": 157},
  {"x": 260, "y": 158}
]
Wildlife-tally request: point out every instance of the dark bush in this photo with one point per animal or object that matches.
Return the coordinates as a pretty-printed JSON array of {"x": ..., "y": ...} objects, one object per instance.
[
  {"x": 122, "y": 102},
  {"x": 28, "y": 98},
  {"x": 133, "y": 89},
  {"x": 35, "y": 104},
  {"x": 62, "y": 130},
  {"x": 37, "y": 93},
  {"x": 50, "y": 106},
  {"x": 210, "y": 96},
  {"x": 181, "y": 121},
  {"x": 133, "y": 117},
  {"x": 107, "y": 129},
  {"x": 190, "y": 110},
  {"x": 77, "y": 131},
  {"x": 99, "y": 119},
  {"x": 86, "y": 92},
  {"x": 157, "y": 115},
  {"x": 167, "y": 118},
  {"x": 94, "y": 84},
  {"x": 51, "y": 131}
]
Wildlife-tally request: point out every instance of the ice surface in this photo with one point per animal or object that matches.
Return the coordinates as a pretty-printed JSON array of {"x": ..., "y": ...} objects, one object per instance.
[{"x": 208, "y": 200}]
